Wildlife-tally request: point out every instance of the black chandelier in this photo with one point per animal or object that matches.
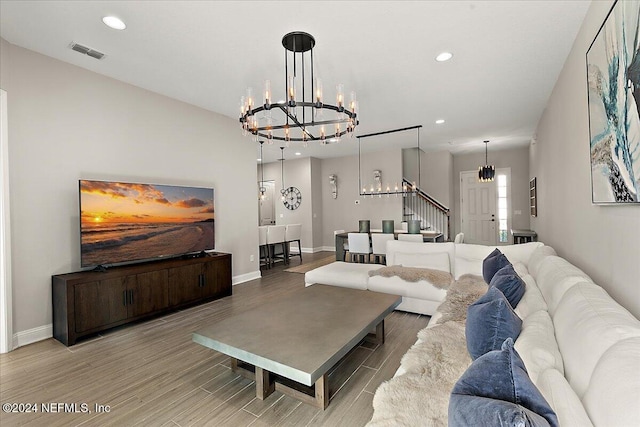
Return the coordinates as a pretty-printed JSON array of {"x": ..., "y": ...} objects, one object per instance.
[
  {"x": 304, "y": 107},
  {"x": 486, "y": 173}
]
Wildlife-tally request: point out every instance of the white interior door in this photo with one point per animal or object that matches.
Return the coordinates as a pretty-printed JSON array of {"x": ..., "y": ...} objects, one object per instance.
[{"x": 477, "y": 209}]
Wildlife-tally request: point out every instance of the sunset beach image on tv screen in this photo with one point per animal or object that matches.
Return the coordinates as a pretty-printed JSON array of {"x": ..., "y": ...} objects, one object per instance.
[{"x": 123, "y": 222}]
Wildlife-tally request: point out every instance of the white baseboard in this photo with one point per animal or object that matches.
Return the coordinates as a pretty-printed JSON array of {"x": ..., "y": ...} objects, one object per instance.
[
  {"x": 32, "y": 335},
  {"x": 327, "y": 249},
  {"x": 241, "y": 278}
]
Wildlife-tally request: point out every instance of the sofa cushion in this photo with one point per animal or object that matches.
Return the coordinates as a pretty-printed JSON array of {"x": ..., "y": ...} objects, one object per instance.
[
  {"x": 498, "y": 378},
  {"x": 421, "y": 289},
  {"x": 467, "y": 266},
  {"x": 537, "y": 256},
  {"x": 396, "y": 246},
  {"x": 612, "y": 396},
  {"x": 510, "y": 284},
  {"x": 436, "y": 261},
  {"x": 531, "y": 301},
  {"x": 537, "y": 345},
  {"x": 555, "y": 276},
  {"x": 562, "y": 399},
  {"x": 490, "y": 320},
  {"x": 520, "y": 253},
  {"x": 587, "y": 323},
  {"x": 345, "y": 274},
  {"x": 492, "y": 264}
]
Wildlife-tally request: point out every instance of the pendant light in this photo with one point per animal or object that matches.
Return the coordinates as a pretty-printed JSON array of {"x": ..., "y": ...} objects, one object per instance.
[
  {"x": 486, "y": 173},
  {"x": 282, "y": 191},
  {"x": 261, "y": 187}
]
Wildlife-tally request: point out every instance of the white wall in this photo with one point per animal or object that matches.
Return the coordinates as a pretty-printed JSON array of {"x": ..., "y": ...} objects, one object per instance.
[
  {"x": 604, "y": 241},
  {"x": 518, "y": 160},
  {"x": 436, "y": 173},
  {"x": 66, "y": 123}
]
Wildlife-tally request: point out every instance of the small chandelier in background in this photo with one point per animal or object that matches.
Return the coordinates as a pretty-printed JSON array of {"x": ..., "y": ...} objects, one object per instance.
[
  {"x": 486, "y": 173},
  {"x": 304, "y": 115}
]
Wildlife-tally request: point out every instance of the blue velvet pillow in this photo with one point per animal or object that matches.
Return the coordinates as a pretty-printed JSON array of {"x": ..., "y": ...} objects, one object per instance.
[
  {"x": 497, "y": 391},
  {"x": 490, "y": 321},
  {"x": 492, "y": 263},
  {"x": 510, "y": 284}
]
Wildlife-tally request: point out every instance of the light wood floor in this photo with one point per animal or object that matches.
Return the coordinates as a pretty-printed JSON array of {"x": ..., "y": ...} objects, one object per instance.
[{"x": 152, "y": 374}]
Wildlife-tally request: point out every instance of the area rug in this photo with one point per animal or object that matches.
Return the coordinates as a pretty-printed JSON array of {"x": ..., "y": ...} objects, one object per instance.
[{"x": 308, "y": 266}]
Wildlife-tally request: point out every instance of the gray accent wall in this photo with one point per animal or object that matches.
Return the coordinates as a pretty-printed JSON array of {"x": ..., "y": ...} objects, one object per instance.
[
  {"x": 604, "y": 241},
  {"x": 67, "y": 123}
]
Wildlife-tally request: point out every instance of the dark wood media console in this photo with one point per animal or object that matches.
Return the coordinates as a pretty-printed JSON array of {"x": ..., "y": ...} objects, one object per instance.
[{"x": 87, "y": 302}]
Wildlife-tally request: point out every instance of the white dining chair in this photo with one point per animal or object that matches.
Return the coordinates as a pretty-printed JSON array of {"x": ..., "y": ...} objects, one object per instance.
[
  {"x": 459, "y": 238},
  {"x": 411, "y": 237},
  {"x": 379, "y": 246},
  {"x": 263, "y": 249},
  {"x": 275, "y": 237},
  {"x": 293, "y": 233},
  {"x": 345, "y": 245},
  {"x": 359, "y": 246}
]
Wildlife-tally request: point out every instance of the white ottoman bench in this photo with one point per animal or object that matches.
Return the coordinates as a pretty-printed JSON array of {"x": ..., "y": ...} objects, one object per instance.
[{"x": 345, "y": 274}]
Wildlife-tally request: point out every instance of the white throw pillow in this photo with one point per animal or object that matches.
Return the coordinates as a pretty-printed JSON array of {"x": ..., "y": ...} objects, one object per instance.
[
  {"x": 436, "y": 261},
  {"x": 532, "y": 299},
  {"x": 564, "y": 401},
  {"x": 537, "y": 345}
]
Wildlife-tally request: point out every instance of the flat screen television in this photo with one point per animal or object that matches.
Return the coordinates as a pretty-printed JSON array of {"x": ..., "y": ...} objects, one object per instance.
[{"x": 124, "y": 222}]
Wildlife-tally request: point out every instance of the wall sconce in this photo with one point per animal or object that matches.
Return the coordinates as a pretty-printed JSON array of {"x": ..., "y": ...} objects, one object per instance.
[{"x": 333, "y": 180}]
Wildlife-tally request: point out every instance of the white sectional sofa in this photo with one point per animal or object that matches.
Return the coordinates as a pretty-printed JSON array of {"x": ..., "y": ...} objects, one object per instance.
[
  {"x": 581, "y": 348},
  {"x": 417, "y": 297}
]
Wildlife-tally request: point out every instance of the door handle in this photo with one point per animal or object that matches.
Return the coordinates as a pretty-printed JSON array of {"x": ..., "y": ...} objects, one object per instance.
[
  {"x": 124, "y": 298},
  {"x": 131, "y": 296}
]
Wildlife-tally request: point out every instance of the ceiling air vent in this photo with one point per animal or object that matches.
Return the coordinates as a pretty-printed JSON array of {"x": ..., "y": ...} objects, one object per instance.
[{"x": 86, "y": 50}]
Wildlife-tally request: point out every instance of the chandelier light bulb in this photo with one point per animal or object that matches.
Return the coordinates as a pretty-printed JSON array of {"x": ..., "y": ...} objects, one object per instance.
[
  {"x": 318, "y": 91},
  {"x": 340, "y": 96},
  {"x": 267, "y": 92}
]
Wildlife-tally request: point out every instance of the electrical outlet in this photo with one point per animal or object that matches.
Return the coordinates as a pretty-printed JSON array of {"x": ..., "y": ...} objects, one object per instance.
[
  {"x": 251, "y": 258},
  {"x": 517, "y": 212}
]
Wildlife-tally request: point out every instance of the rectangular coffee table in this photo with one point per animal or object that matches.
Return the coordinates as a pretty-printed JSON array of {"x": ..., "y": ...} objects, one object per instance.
[{"x": 290, "y": 344}]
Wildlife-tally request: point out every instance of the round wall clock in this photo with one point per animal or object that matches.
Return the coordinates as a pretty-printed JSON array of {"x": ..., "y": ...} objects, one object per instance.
[{"x": 292, "y": 198}]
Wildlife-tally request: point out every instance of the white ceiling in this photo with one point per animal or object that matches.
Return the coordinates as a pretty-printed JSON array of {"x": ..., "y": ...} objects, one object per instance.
[{"x": 507, "y": 57}]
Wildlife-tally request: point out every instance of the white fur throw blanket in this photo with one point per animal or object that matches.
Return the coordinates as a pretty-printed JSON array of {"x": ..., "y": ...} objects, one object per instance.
[
  {"x": 438, "y": 278},
  {"x": 420, "y": 396}
]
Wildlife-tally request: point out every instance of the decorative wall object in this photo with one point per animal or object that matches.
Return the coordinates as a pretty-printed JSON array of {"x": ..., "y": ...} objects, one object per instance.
[
  {"x": 533, "y": 197},
  {"x": 613, "y": 77},
  {"x": 333, "y": 180}
]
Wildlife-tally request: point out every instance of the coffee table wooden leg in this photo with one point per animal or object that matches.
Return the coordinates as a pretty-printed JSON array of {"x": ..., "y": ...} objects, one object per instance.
[
  {"x": 264, "y": 385},
  {"x": 380, "y": 332},
  {"x": 322, "y": 392}
]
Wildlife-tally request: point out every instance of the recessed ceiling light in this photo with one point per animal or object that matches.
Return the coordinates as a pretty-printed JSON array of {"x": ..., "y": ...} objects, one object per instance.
[
  {"x": 444, "y": 56},
  {"x": 439, "y": 121},
  {"x": 113, "y": 22},
  {"x": 298, "y": 154}
]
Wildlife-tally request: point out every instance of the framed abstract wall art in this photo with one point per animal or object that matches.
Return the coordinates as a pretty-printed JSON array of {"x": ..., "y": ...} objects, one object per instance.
[{"x": 613, "y": 77}]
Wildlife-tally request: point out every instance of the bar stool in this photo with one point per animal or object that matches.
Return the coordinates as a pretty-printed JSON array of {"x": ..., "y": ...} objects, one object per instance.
[
  {"x": 292, "y": 233},
  {"x": 263, "y": 249},
  {"x": 275, "y": 236}
]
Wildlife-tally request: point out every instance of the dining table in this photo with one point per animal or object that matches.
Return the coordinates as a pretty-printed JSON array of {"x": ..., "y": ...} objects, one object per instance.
[{"x": 342, "y": 238}]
